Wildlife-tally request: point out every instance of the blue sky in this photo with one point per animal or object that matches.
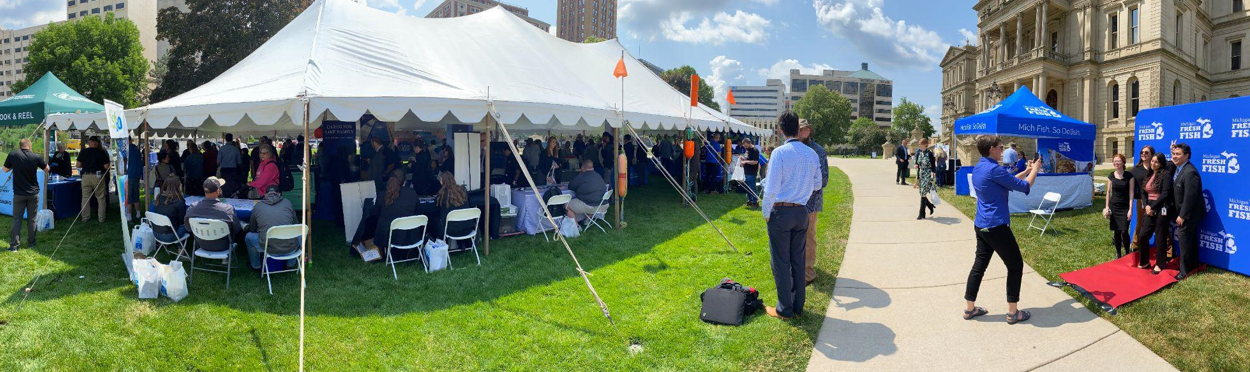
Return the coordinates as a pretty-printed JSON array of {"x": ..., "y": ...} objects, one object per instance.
[{"x": 742, "y": 42}]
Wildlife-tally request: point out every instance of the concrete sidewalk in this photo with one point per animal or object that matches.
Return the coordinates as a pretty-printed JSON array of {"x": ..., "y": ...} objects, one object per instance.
[{"x": 899, "y": 297}]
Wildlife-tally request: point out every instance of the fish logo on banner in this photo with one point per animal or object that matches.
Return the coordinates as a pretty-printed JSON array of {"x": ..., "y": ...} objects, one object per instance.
[
  {"x": 1224, "y": 163},
  {"x": 1042, "y": 111},
  {"x": 1230, "y": 245},
  {"x": 116, "y": 117},
  {"x": 1197, "y": 129},
  {"x": 1207, "y": 131},
  {"x": 1239, "y": 209},
  {"x": 1152, "y": 133},
  {"x": 1241, "y": 128},
  {"x": 1220, "y": 241}
]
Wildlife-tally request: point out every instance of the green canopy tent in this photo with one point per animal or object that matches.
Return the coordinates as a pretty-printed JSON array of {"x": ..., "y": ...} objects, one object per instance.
[{"x": 47, "y": 96}]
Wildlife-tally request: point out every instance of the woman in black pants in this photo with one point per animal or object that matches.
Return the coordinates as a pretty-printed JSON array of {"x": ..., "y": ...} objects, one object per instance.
[
  {"x": 1157, "y": 221},
  {"x": 1121, "y": 190}
]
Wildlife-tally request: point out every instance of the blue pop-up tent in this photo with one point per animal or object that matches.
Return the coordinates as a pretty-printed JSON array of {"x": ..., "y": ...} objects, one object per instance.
[{"x": 1066, "y": 146}]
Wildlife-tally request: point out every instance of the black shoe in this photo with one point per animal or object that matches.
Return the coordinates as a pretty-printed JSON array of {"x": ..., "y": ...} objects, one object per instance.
[
  {"x": 1181, "y": 276},
  {"x": 30, "y": 246},
  {"x": 12, "y": 248},
  {"x": 919, "y": 217}
]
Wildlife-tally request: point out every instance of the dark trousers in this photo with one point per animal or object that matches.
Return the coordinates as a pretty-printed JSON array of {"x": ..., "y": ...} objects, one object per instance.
[
  {"x": 901, "y": 176},
  {"x": 234, "y": 178},
  {"x": 787, "y": 235},
  {"x": 924, "y": 205},
  {"x": 1120, "y": 238},
  {"x": 1001, "y": 240},
  {"x": 27, "y": 206},
  {"x": 1187, "y": 242},
  {"x": 1159, "y": 226}
]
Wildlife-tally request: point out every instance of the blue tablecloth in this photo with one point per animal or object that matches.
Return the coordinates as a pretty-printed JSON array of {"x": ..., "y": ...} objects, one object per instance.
[
  {"x": 527, "y": 218},
  {"x": 66, "y": 197},
  {"x": 242, "y": 207}
]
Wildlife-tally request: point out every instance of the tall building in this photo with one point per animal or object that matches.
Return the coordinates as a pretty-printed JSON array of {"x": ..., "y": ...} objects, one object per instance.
[
  {"x": 1100, "y": 61},
  {"x": 14, "y": 44},
  {"x": 766, "y": 101},
  {"x": 459, "y": 8},
  {"x": 871, "y": 95},
  {"x": 577, "y": 20}
]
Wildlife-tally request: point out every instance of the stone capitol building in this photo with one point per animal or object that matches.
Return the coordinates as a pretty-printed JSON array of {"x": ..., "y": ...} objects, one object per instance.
[{"x": 1100, "y": 61}]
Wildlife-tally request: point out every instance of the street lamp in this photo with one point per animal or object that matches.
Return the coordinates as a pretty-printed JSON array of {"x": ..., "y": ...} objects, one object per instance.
[{"x": 994, "y": 93}]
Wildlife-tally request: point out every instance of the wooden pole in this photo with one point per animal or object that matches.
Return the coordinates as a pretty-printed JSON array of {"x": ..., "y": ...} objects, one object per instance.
[
  {"x": 306, "y": 241},
  {"x": 616, "y": 154}
]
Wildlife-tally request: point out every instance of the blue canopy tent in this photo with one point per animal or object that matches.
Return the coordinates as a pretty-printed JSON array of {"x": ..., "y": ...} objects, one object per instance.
[{"x": 1066, "y": 146}]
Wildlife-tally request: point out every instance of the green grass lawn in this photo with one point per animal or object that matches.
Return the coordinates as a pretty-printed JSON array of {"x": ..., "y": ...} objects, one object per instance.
[
  {"x": 525, "y": 308},
  {"x": 1200, "y": 324}
]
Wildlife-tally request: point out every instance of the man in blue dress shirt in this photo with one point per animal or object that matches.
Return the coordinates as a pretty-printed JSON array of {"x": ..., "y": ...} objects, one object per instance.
[
  {"x": 993, "y": 183},
  {"x": 793, "y": 175}
]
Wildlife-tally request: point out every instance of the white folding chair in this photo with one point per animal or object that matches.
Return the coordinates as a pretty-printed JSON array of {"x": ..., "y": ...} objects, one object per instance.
[
  {"x": 160, "y": 220},
  {"x": 464, "y": 215},
  {"x": 1046, "y": 213},
  {"x": 600, "y": 215},
  {"x": 203, "y": 230},
  {"x": 558, "y": 200},
  {"x": 283, "y": 232},
  {"x": 410, "y": 223}
]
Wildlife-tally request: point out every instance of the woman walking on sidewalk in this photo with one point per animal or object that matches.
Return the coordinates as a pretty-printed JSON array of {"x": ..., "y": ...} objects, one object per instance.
[{"x": 924, "y": 177}]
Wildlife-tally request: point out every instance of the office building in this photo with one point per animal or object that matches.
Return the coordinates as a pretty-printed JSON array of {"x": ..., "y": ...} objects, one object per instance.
[
  {"x": 871, "y": 94},
  {"x": 459, "y": 8},
  {"x": 1100, "y": 61},
  {"x": 577, "y": 20},
  {"x": 758, "y": 101}
]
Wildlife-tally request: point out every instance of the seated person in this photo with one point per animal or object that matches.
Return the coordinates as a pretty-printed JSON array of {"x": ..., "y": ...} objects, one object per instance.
[
  {"x": 395, "y": 203},
  {"x": 273, "y": 210},
  {"x": 450, "y": 197},
  {"x": 170, "y": 204},
  {"x": 588, "y": 189},
  {"x": 212, "y": 208},
  {"x": 266, "y": 173}
]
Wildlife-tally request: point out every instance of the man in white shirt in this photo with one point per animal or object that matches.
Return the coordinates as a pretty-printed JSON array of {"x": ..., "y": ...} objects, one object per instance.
[{"x": 1011, "y": 155}]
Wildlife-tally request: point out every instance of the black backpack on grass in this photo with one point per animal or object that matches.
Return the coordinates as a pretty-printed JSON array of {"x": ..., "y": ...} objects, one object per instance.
[{"x": 729, "y": 303}]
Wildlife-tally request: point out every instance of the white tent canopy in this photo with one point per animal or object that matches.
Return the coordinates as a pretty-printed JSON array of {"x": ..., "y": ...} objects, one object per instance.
[{"x": 348, "y": 59}]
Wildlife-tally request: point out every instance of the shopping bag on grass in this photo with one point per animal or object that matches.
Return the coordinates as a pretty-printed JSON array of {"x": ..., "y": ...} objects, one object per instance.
[
  {"x": 143, "y": 239},
  {"x": 45, "y": 220},
  {"x": 569, "y": 228},
  {"x": 436, "y": 253},
  {"x": 174, "y": 281},
  {"x": 148, "y": 278}
]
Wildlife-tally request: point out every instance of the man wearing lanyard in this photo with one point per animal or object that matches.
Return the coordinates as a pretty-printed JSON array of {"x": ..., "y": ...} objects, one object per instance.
[
  {"x": 794, "y": 174},
  {"x": 993, "y": 183},
  {"x": 93, "y": 161}
]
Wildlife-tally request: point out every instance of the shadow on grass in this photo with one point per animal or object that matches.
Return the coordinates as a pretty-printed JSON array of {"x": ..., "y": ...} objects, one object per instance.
[{"x": 343, "y": 285}]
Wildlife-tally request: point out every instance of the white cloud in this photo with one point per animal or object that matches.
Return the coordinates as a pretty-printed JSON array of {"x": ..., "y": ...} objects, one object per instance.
[
  {"x": 781, "y": 70},
  {"x": 881, "y": 38},
  {"x": 934, "y": 112},
  {"x": 724, "y": 71},
  {"x": 692, "y": 21},
  {"x": 738, "y": 27},
  {"x": 417, "y": 5},
  {"x": 384, "y": 4},
  {"x": 969, "y": 36},
  {"x": 25, "y": 13}
]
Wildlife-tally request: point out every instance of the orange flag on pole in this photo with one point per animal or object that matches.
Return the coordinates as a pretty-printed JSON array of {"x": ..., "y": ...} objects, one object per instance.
[
  {"x": 694, "y": 90},
  {"x": 620, "y": 69},
  {"x": 730, "y": 97}
]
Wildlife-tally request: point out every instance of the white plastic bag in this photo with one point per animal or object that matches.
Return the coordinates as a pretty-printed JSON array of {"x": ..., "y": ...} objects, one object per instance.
[
  {"x": 148, "y": 278},
  {"x": 436, "y": 253},
  {"x": 174, "y": 281},
  {"x": 45, "y": 220},
  {"x": 739, "y": 174},
  {"x": 933, "y": 198},
  {"x": 569, "y": 228},
  {"x": 143, "y": 240}
]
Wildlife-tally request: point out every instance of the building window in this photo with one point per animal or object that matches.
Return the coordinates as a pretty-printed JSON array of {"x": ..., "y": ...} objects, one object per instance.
[
  {"x": 1115, "y": 101},
  {"x": 71, "y": 16},
  {"x": 799, "y": 85},
  {"x": 1134, "y": 20},
  {"x": 1179, "y": 23},
  {"x": 121, "y": 5},
  {"x": 108, "y": 8},
  {"x": 1114, "y": 38},
  {"x": 1239, "y": 5},
  {"x": 70, "y": 3},
  {"x": 82, "y": 13},
  {"x": 1133, "y": 90},
  {"x": 1176, "y": 93},
  {"x": 1236, "y": 55},
  {"x": 95, "y": 11},
  {"x": 1054, "y": 42}
]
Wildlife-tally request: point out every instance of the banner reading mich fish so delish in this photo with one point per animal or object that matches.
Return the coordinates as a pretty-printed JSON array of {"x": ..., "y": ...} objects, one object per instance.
[{"x": 1217, "y": 132}]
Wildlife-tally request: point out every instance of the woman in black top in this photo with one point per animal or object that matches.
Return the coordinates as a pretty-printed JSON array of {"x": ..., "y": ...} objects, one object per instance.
[
  {"x": 549, "y": 163},
  {"x": 1158, "y": 218},
  {"x": 170, "y": 204},
  {"x": 1121, "y": 190},
  {"x": 61, "y": 163}
]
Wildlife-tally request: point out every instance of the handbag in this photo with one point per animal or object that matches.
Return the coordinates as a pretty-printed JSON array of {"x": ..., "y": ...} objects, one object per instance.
[
  {"x": 729, "y": 303},
  {"x": 933, "y": 198},
  {"x": 436, "y": 254}
]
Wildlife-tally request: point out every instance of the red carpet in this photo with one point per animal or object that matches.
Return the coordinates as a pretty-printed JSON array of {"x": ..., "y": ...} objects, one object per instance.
[{"x": 1119, "y": 281}]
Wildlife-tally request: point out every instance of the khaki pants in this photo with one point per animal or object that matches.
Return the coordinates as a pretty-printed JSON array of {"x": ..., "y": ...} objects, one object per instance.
[
  {"x": 93, "y": 185},
  {"x": 811, "y": 246},
  {"x": 581, "y": 208}
]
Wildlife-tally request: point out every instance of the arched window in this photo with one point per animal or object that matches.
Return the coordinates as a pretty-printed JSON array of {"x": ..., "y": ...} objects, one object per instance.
[
  {"x": 1052, "y": 99},
  {"x": 1115, "y": 101},
  {"x": 1134, "y": 90},
  {"x": 1234, "y": 96},
  {"x": 1176, "y": 93}
]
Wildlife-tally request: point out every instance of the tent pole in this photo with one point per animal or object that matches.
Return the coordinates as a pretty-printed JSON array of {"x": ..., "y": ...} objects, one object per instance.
[
  {"x": 616, "y": 154},
  {"x": 45, "y": 161},
  {"x": 486, "y": 237},
  {"x": 144, "y": 177},
  {"x": 305, "y": 241}
]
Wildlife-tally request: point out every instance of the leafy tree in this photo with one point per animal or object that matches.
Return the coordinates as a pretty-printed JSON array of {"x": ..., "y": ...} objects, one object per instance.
[
  {"x": 156, "y": 76},
  {"x": 863, "y": 122},
  {"x": 214, "y": 36},
  {"x": 679, "y": 78},
  {"x": 868, "y": 138},
  {"x": 828, "y": 112},
  {"x": 98, "y": 57},
  {"x": 593, "y": 39},
  {"x": 907, "y": 114}
]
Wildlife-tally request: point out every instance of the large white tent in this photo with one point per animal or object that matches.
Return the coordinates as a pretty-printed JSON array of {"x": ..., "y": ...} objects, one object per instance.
[{"x": 347, "y": 59}]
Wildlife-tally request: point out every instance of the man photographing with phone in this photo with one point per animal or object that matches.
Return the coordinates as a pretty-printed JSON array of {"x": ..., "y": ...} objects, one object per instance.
[{"x": 993, "y": 183}]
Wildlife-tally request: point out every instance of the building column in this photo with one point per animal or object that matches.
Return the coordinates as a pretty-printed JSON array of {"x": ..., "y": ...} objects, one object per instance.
[
  {"x": 1045, "y": 19},
  {"x": 1041, "y": 87},
  {"x": 1019, "y": 34},
  {"x": 1087, "y": 112},
  {"x": 1002, "y": 43},
  {"x": 1037, "y": 26}
]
